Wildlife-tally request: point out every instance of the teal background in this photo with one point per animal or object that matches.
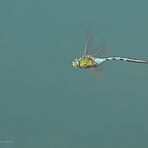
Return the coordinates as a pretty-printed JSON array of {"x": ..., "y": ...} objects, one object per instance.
[{"x": 44, "y": 102}]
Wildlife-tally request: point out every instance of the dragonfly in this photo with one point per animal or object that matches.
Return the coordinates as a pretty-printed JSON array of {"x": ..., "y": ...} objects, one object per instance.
[{"x": 87, "y": 60}]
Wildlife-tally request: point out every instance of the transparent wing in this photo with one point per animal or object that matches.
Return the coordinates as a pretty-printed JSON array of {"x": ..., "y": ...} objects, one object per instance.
[
  {"x": 88, "y": 42},
  {"x": 98, "y": 71},
  {"x": 100, "y": 51},
  {"x": 86, "y": 48}
]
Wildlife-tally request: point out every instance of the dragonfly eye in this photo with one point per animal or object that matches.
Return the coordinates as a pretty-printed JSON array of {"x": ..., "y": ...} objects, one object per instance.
[{"x": 75, "y": 63}]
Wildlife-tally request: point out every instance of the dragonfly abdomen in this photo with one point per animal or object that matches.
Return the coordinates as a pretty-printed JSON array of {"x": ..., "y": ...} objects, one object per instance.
[{"x": 126, "y": 59}]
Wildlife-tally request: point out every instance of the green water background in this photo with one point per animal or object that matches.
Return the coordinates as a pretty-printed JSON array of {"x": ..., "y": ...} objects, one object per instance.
[{"x": 44, "y": 102}]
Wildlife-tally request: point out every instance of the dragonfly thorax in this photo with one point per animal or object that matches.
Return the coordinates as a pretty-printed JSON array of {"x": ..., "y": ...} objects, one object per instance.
[{"x": 84, "y": 62}]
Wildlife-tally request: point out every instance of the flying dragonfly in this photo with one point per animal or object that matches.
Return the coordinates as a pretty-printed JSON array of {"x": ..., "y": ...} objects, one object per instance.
[{"x": 87, "y": 61}]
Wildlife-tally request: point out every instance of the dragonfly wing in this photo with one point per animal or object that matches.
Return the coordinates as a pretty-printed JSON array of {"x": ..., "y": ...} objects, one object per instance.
[
  {"x": 86, "y": 48},
  {"x": 101, "y": 51},
  {"x": 88, "y": 42},
  {"x": 98, "y": 71},
  {"x": 97, "y": 52}
]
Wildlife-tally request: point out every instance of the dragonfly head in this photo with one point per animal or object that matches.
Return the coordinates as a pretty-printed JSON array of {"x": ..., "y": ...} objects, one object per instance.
[{"x": 75, "y": 63}]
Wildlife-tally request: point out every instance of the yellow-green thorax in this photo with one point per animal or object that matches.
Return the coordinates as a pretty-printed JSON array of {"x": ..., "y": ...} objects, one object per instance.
[{"x": 87, "y": 62}]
